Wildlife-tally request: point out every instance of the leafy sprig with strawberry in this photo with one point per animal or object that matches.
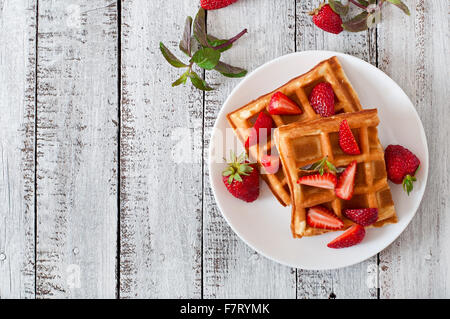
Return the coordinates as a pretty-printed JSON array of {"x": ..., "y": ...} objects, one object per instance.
[
  {"x": 204, "y": 50},
  {"x": 328, "y": 17}
]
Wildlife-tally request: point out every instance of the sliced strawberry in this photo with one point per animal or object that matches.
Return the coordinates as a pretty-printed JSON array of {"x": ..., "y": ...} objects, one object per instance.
[
  {"x": 280, "y": 104},
  {"x": 347, "y": 140},
  {"x": 322, "y": 99},
  {"x": 354, "y": 235},
  {"x": 263, "y": 121},
  {"x": 346, "y": 183},
  {"x": 271, "y": 163},
  {"x": 327, "y": 180},
  {"x": 321, "y": 217},
  {"x": 362, "y": 216}
]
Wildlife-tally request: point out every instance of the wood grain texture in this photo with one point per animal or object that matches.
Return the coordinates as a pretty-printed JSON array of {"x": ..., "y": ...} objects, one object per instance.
[
  {"x": 17, "y": 103},
  {"x": 231, "y": 269},
  {"x": 358, "y": 281},
  {"x": 77, "y": 137},
  {"x": 414, "y": 51},
  {"x": 161, "y": 169}
]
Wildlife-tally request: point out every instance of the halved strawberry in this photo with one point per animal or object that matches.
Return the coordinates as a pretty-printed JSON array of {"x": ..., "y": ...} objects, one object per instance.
[
  {"x": 346, "y": 183},
  {"x": 362, "y": 216},
  {"x": 271, "y": 163},
  {"x": 327, "y": 180},
  {"x": 347, "y": 141},
  {"x": 352, "y": 236},
  {"x": 322, "y": 99},
  {"x": 263, "y": 121},
  {"x": 321, "y": 217},
  {"x": 280, "y": 104}
]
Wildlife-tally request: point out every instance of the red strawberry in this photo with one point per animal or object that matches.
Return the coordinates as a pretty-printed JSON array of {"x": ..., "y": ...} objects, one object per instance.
[
  {"x": 347, "y": 140},
  {"x": 401, "y": 166},
  {"x": 280, "y": 104},
  {"x": 322, "y": 99},
  {"x": 327, "y": 180},
  {"x": 362, "y": 216},
  {"x": 271, "y": 163},
  {"x": 321, "y": 217},
  {"x": 215, "y": 4},
  {"x": 263, "y": 121},
  {"x": 325, "y": 18},
  {"x": 352, "y": 236},
  {"x": 241, "y": 178},
  {"x": 346, "y": 183}
]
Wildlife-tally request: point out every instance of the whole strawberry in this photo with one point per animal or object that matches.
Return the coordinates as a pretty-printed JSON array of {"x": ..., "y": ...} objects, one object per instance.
[
  {"x": 215, "y": 4},
  {"x": 241, "y": 178},
  {"x": 325, "y": 18},
  {"x": 322, "y": 99},
  {"x": 401, "y": 166}
]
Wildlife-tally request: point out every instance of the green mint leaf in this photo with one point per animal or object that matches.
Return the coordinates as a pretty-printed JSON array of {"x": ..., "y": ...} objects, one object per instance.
[
  {"x": 363, "y": 2},
  {"x": 185, "y": 43},
  {"x": 172, "y": 59},
  {"x": 181, "y": 80},
  {"x": 206, "y": 58},
  {"x": 356, "y": 24},
  {"x": 331, "y": 167},
  {"x": 217, "y": 42},
  {"x": 230, "y": 71},
  {"x": 198, "y": 82},
  {"x": 200, "y": 28},
  {"x": 338, "y": 7},
  {"x": 401, "y": 5}
]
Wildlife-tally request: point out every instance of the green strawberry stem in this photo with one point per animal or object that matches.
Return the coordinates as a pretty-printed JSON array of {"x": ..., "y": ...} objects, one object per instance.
[
  {"x": 408, "y": 181},
  {"x": 237, "y": 167}
]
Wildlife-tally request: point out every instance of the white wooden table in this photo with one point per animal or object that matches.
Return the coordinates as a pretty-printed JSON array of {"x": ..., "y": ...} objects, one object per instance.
[{"x": 91, "y": 204}]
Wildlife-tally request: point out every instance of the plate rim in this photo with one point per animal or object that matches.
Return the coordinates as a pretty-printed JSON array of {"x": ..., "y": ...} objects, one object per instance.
[{"x": 330, "y": 53}]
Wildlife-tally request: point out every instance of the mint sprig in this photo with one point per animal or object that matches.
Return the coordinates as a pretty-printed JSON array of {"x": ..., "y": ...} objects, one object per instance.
[
  {"x": 322, "y": 166},
  {"x": 204, "y": 50},
  {"x": 368, "y": 17}
]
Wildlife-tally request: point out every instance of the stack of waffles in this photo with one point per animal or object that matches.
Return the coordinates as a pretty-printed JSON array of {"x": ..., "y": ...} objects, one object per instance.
[{"x": 307, "y": 138}]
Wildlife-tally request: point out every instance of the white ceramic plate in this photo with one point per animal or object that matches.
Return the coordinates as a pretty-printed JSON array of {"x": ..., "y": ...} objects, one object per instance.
[{"x": 264, "y": 224}]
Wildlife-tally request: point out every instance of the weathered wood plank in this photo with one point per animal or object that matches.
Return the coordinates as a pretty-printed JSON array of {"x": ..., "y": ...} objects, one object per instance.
[
  {"x": 161, "y": 170},
  {"x": 77, "y": 134},
  {"x": 17, "y": 118},
  {"x": 231, "y": 268},
  {"x": 414, "y": 51},
  {"x": 358, "y": 281}
]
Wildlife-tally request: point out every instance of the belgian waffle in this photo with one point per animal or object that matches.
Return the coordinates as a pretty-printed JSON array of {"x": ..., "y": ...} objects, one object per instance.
[
  {"x": 301, "y": 144},
  {"x": 298, "y": 89}
]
